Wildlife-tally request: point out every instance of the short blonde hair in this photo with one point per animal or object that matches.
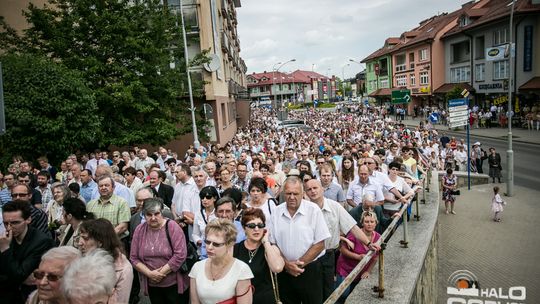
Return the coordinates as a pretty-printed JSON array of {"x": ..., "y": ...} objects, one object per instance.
[
  {"x": 369, "y": 214},
  {"x": 224, "y": 226}
]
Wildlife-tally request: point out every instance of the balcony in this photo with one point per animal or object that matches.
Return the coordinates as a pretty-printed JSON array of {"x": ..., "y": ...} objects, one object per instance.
[
  {"x": 224, "y": 42},
  {"x": 260, "y": 94}
]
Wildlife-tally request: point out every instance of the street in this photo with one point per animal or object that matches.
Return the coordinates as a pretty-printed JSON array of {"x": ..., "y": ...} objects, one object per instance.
[{"x": 525, "y": 155}]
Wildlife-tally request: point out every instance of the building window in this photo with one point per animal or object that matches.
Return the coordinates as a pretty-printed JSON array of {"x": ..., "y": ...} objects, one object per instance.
[
  {"x": 460, "y": 51},
  {"x": 224, "y": 115},
  {"x": 400, "y": 63},
  {"x": 411, "y": 60},
  {"x": 383, "y": 67},
  {"x": 384, "y": 83},
  {"x": 372, "y": 85},
  {"x": 423, "y": 54},
  {"x": 401, "y": 81},
  {"x": 479, "y": 48},
  {"x": 460, "y": 74},
  {"x": 413, "y": 79},
  {"x": 464, "y": 21},
  {"x": 500, "y": 36},
  {"x": 500, "y": 69},
  {"x": 424, "y": 78},
  {"x": 480, "y": 72}
]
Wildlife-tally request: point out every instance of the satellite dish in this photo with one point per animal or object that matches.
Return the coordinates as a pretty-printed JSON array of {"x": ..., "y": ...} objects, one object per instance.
[{"x": 214, "y": 64}]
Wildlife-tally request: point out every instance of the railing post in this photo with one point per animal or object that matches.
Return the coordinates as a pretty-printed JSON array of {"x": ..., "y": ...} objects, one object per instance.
[
  {"x": 380, "y": 288},
  {"x": 405, "y": 217},
  {"x": 417, "y": 216}
]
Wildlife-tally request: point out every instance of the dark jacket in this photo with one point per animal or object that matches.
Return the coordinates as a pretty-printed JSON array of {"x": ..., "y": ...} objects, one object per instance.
[
  {"x": 166, "y": 193},
  {"x": 19, "y": 261}
]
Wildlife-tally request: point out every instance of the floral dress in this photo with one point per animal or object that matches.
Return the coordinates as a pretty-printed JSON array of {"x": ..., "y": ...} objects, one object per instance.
[{"x": 447, "y": 193}]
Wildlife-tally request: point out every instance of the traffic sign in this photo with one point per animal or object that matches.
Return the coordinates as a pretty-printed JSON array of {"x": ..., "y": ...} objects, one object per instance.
[
  {"x": 401, "y": 96},
  {"x": 457, "y": 109},
  {"x": 457, "y": 124},
  {"x": 457, "y": 102},
  {"x": 453, "y": 114}
]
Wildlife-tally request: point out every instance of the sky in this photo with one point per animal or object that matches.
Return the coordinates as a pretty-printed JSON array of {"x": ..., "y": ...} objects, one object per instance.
[{"x": 324, "y": 35}]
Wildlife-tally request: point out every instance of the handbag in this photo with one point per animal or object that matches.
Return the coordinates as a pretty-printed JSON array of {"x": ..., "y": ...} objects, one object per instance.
[
  {"x": 232, "y": 300},
  {"x": 191, "y": 258},
  {"x": 275, "y": 286}
]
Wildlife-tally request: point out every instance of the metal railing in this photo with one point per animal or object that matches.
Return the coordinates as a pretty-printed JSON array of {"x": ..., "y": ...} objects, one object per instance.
[{"x": 385, "y": 237}]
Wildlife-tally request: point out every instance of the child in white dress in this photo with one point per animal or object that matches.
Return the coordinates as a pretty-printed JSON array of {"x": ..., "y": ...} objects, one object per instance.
[{"x": 497, "y": 204}]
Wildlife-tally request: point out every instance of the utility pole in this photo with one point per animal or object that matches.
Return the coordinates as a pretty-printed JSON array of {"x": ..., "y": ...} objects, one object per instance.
[{"x": 510, "y": 152}]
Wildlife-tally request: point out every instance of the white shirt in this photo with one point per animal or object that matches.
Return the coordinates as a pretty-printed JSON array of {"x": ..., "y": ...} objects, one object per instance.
[
  {"x": 356, "y": 190},
  {"x": 338, "y": 221},
  {"x": 161, "y": 162},
  {"x": 382, "y": 179},
  {"x": 295, "y": 235},
  {"x": 211, "y": 292},
  {"x": 401, "y": 185},
  {"x": 93, "y": 163},
  {"x": 186, "y": 197}
]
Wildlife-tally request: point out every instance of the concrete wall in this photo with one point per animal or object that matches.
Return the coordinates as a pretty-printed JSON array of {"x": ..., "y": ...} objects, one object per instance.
[
  {"x": 427, "y": 284},
  {"x": 476, "y": 179}
]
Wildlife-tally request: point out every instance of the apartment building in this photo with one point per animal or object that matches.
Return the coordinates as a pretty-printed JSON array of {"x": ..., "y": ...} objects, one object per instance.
[
  {"x": 478, "y": 54},
  {"x": 210, "y": 25},
  {"x": 296, "y": 87}
]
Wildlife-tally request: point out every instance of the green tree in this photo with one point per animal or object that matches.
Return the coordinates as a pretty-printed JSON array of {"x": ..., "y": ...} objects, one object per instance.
[
  {"x": 124, "y": 50},
  {"x": 45, "y": 122},
  {"x": 455, "y": 93}
]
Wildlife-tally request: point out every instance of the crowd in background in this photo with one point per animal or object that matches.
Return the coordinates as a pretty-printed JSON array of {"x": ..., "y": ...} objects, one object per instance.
[{"x": 288, "y": 210}]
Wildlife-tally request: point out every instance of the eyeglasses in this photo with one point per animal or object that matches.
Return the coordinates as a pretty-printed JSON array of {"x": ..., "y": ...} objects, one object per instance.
[
  {"x": 215, "y": 244},
  {"x": 369, "y": 163},
  {"x": 207, "y": 197},
  {"x": 320, "y": 163},
  {"x": 253, "y": 225},
  {"x": 50, "y": 277},
  {"x": 116, "y": 155},
  {"x": 368, "y": 213},
  {"x": 13, "y": 195}
]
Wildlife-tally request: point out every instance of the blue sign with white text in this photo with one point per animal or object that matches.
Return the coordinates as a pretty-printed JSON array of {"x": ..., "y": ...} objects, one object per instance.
[{"x": 457, "y": 102}]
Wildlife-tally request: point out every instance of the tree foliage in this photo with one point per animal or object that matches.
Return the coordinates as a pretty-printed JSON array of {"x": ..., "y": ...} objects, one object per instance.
[
  {"x": 45, "y": 122},
  {"x": 123, "y": 49}
]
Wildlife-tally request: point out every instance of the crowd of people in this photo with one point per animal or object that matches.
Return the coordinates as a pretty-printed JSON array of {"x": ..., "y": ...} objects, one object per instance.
[{"x": 275, "y": 214}]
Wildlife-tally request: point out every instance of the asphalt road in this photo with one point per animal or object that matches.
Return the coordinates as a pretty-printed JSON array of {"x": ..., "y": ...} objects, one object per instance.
[{"x": 526, "y": 159}]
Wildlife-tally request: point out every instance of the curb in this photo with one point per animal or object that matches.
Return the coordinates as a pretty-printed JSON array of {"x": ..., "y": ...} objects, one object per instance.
[{"x": 483, "y": 136}]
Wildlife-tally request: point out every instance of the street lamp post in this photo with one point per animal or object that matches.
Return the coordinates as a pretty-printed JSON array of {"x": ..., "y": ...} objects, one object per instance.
[
  {"x": 359, "y": 63},
  {"x": 196, "y": 142},
  {"x": 510, "y": 152},
  {"x": 343, "y": 80},
  {"x": 281, "y": 78},
  {"x": 274, "y": 102}
]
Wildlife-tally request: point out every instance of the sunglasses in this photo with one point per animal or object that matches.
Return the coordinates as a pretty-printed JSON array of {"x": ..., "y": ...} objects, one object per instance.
[
  {"x": 50, "y": 277},
  {"x": 19, "y": 194},
  {"x": 207, "y": 196},
  {"x": 215, "y": 244},
  {"x": 252, "y": 225}
]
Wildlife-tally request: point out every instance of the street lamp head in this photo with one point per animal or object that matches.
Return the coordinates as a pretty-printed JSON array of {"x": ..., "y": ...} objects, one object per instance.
[{"x": 293, "y": 59}]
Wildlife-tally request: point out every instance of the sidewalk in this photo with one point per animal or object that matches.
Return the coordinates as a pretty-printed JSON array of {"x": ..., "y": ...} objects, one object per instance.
[
  {"x": 518, "y": 134},
  {"x": 501, "y": 255}
]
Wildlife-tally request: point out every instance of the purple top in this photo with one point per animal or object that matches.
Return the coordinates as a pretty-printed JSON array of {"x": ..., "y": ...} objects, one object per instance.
[
  {"x": 346, "y": 265},
  {"x": 151, "y": 247}
]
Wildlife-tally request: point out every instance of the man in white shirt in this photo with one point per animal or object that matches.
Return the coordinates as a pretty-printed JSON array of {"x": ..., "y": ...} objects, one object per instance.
[
  {"x": 95, "y": 162},
  {"x": 185, "y": 202},
  {"x": 299, "y": 230},
  {"x": 461, "y": 159},
  {"x": 361, "y": 185},
  {"x": 143, "y": 161},
  {"x": 162, "y": 158},
  {"x": 210, "y": 168},
  {"x": 339, "y": 221}
]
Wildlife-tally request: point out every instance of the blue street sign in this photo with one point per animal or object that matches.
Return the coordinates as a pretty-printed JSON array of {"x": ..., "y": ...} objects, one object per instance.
[
  {"x": 434, "y": 117},
  {"x": 457, "y": 102}
]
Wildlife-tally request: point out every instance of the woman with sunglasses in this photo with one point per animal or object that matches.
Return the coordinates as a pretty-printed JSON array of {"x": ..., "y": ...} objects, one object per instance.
[
  {"x": 208, "y": 195},
  {"x": 349, "y": 258},
  {"x": 391, "y": 204},
  {"x": 48, "y": 276},
  {"x": 99, "y": 233},
  {"x": 158, "y": 250},
  {"x": 74, "y": 213},
  {"x": 221, "y": 277},
  {"x": 260, "y": 255}
]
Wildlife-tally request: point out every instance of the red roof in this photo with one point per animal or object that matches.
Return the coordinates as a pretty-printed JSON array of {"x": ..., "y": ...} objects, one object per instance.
[
  {"x": 532, "y": 84},
  {"x": 381, "y": 92},
  {"x": 490, "y": 10},
  {"x": 297, "y": 76}
]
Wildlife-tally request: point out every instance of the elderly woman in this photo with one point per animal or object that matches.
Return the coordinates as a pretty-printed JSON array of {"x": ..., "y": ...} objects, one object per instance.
[
  {"x": 100, "y": 233},
  {"x": 261, "y": 256},
  {"x": 208, "y": 195},
  {"x": 74, "y": 213},
  {"x": 55, "y": 206},
  {"x": 350, "y": 257},
  {"x": 90, "y": 279},
  {"x": 221, "y": 277},
  {"x": 48, "y": 277},
  {"x": 158, "y": 250}
]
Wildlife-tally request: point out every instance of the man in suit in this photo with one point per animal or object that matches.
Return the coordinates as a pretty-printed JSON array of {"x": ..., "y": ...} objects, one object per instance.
[{"x": 161, "y": 190}]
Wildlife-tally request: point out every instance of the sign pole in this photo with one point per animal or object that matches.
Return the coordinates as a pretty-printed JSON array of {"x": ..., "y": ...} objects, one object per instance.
[{"x": 468, "y": 152}]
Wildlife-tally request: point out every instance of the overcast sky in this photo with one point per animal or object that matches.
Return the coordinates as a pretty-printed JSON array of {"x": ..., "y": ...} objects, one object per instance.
[{"x": 325, "y": 34}]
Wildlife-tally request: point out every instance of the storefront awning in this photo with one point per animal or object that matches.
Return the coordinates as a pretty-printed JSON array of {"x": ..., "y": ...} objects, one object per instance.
[
  {"x": 533, "y": 84},
  {"x": 447, "y": 87},
  {"x": 381, "y": 92}
]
